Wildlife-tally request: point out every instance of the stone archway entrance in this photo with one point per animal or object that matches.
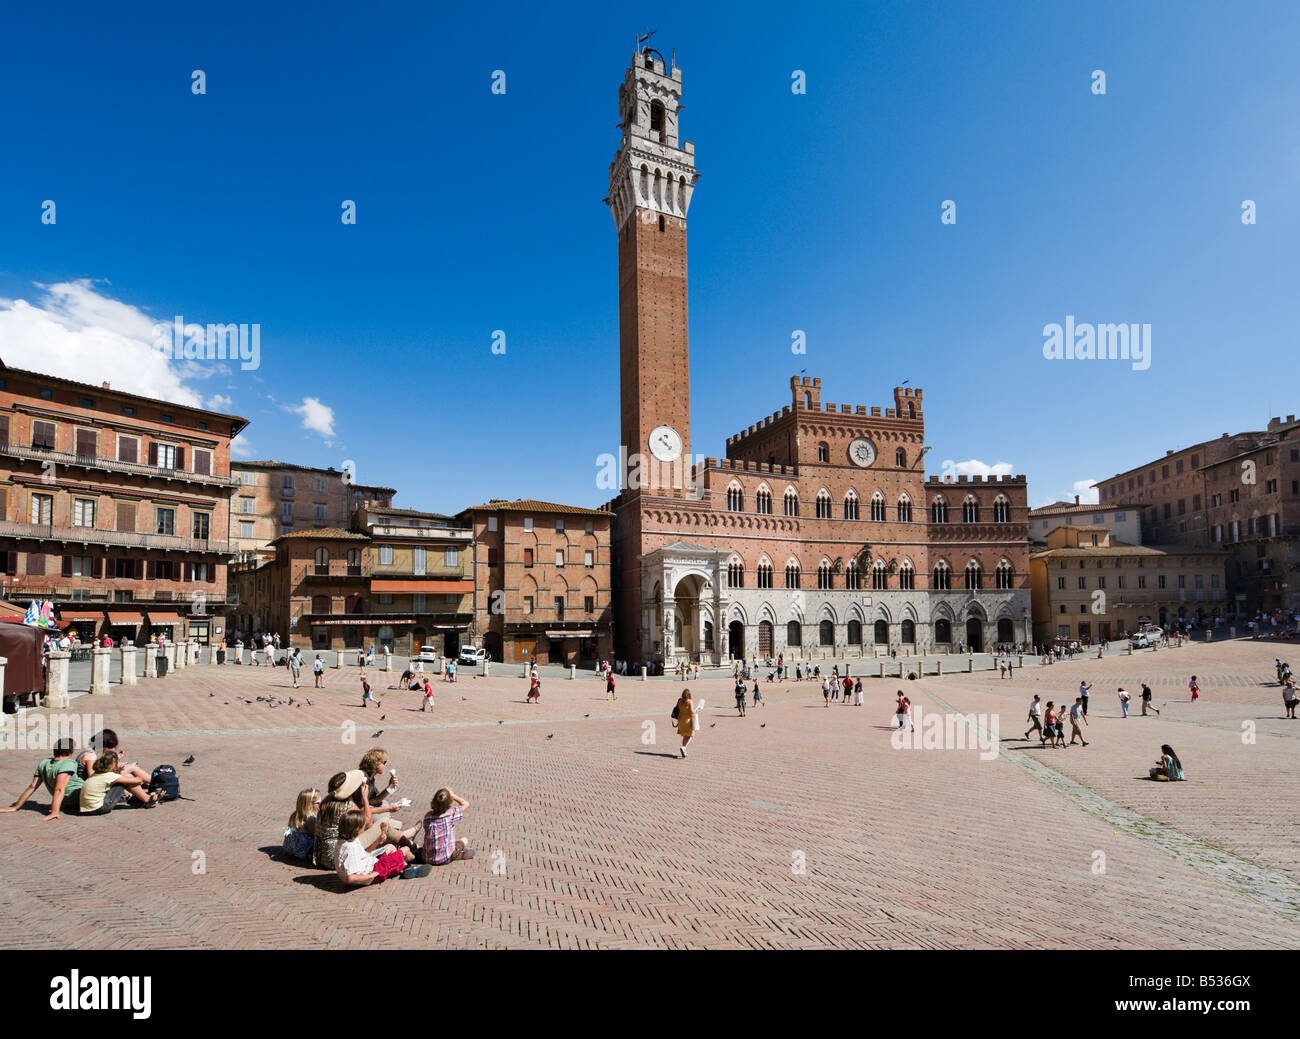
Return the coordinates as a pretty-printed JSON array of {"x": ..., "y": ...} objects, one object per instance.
[
  {"x": 975, "y": 635},
  {"x": 688, "y": 620},
  {"x": 736, "y": 639}
]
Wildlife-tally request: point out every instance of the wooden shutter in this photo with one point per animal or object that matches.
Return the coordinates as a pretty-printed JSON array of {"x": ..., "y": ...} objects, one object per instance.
[
  {"x": 126, "y": 516},
  {"x": 4, "y": 500},
  {"x": 176, "y": 571},
  {"x": 180, "y": 458},
  {"x": 11, "y": 562},
  {"x": 4, "y": 429},
  {"x": 35, "y": 563},
  {"x": 151, "y": 571},
  {"x": 153, "y": 454},
  {"x": 97, "y": 567},
  {"x": 67, "y": 566},
  {"x": 139, "y": 569}
]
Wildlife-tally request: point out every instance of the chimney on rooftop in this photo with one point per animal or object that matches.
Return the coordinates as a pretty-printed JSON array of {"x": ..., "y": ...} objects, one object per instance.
[
  {"x": 1076, "y": 499},
  {"x": 105, "y": 385}
]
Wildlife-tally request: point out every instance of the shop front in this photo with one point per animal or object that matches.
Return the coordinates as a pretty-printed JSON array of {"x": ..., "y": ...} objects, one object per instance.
[
  {"x": 169, "y": 625},
  {"x": 124, "y": 626},
  {"x": 85, "y": 624}
]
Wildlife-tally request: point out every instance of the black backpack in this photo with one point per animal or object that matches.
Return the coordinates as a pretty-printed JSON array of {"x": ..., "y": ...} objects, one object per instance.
[{"x": 164, "y": 778}]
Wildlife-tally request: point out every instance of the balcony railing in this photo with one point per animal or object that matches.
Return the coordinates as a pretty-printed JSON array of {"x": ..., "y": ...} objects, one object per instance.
[
  {"x": 126, "y": 539},
  {"x": 85, "y": 461},
  {"x": 27, "y": 589}
]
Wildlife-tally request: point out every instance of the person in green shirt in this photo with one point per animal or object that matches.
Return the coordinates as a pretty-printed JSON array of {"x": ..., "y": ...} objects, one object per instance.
[{"x": 59, "y": 774}]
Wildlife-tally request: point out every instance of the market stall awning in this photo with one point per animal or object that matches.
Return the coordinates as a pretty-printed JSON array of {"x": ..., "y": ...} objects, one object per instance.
[
  {"x": 125, "y": 619},
  {"x": 164, "y": 618},
  {"x": 82, "y": 615},
  {"x": 422, "y": 585}
]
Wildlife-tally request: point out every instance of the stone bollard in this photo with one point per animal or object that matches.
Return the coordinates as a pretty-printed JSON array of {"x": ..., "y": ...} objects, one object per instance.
[
  {"x": 1020, "y": 660},
  {"x": 487, "y": 668},
  {"x": 388, "y": 663},
  {"x": 176, "y": 661},
  {"x": 938, "y": 664},
  {"x": 573, "y": 672},
  {"x": 1232, "y": 631},
  {"x": 1209, "y": 635},
  {"x": 128, "y": 665},
  {"x": 970, "y": 665},
  {"x": 169, "y": 651},
  {"x": 643, "y": 672},
  {"x": 99, "y": 661},
  {"x": 1130, "y": 649},
  {"x": 150, "y": 660},
  {"x": 524, "y": 672},
  {"x": 882, "y": 668},
  {"x": 56, "y": 681}
]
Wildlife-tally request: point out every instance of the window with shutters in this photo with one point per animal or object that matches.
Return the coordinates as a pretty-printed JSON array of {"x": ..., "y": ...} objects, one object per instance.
[
  {"x": 319, "y": 513},
  {"x": 123, "y": 569},
  {"x": 286, "y": 513},
  {"x": 245, "y": 530},
  {"x": 42, "y": 508},
  {"x": 528, "y": 604},
  {"x": 128, "y": 449},
  {"x": 559, "y": 557},
  {"x": 451, "y": 557},
  {"x": 87, "y": 444},
  {"x": 165, "y": 521},
  {"x": 82, "y": 566},
  {"x": 164, "y": 455},
  {"x": 320, "y": 485},
  {"x": 4, "y": 430},
  {"x": 418, "y": 560},
  {"x": 385, "y": 555},
  {"x": 83, "y": 512},
  {"x": 35, "y": 563},
  {"x": 419, "y": 604},
  {"x": 203, "y": 462},
  {"x": 202, "y": 525},
  {"x": 125, "y": 516},
  {"x": 43, "y": 436},
  {"x": 246, "y": 506}
]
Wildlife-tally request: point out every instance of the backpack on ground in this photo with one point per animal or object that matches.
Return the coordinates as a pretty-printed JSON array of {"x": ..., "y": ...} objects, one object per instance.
[{"x": 164, "y": 779}]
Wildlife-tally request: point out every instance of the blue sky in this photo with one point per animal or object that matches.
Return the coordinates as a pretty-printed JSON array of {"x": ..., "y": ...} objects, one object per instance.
[{"x": 819, "y": 212}]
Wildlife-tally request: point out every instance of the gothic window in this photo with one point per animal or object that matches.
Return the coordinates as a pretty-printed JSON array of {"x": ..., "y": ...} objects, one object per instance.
[
  {"x": 735, "y": 574},
  {"x": 877, "y": 508},
  {"x": 764, "y": 574},
  {"x": 1001, "y": 510},
  {"x": 852, "y": 578},
  {"x": 939, "y": 510},
  {"x": 825, "y": 578},
  {"x": 908, "y": 632},
  {"x": 1003, "y": 575},
  {"x": 942, "y": 575},
  {"x": 792, "y": 575},
  {"x": 791, "y": 502},
  {"x": 880, "y": 633},
  {"x": 900, "y": 458},
  {"x": 970, "y": 510},
  {"x": 794, "y": 634},
  {"x": 850, "y": 506},
  {"x": 657, "y": 122},
  {"x": 879, "y": 575},
  {"x": 904, "y": 509},
  {"x": 735, "y": 499},
  {"x": 972, "y": 576},
  {"x": 826, "y": 633},
  {"x": 854, "y": 634},
  {"x": 906, "y": 576},
  {"x": 823, "y": 453},
  {"x": 763, "y": 502},
  {"x": 823, "y": 505}
]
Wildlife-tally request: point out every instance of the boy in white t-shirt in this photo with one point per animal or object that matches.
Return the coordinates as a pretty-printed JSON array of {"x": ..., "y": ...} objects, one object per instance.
[{"x": 358, "y": 867}]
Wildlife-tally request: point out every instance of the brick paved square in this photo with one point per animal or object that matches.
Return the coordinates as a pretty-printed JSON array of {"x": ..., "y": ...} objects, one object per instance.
[{"x": 798, "y": 826}]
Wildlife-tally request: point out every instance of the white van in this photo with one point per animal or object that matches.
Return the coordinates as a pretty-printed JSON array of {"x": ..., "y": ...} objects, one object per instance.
[{"x": 470, "y": 656}]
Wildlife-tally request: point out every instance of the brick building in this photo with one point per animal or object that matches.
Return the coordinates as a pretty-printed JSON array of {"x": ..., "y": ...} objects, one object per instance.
[
  {"x": 819, "y": 530},
  {"x": 274, "y": 498},
  {"x": 1241, "y": 492},
  {"x": 114, "y": 506},
  {"x": 1094, "y": 590},
  {"x": 1122, "y": 521},
  {"x": 542, "y": 581}
]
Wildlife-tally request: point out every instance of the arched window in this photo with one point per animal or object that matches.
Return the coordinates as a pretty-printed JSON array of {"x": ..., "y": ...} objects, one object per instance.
[
  {"x": 354, "y": 562},
  {"x": 852, "y": 579},
  {"x": 763, "y": 502},
  {"x": 854, "y": 633},
  {"x": 735, "y": 498},
  {"x": 879, "y": 575},
  {"x": 807, "y": 399},
  {"x": 938, "y": 510},
  {"x": 904, "y": 509},
  {"x": 1001, "y": 509},
  {"x": 972, "y": 576},
  {"x": 823, "y": 453},
  {"x": 906, "y": 575},
  {"x": 942, "y": 631},
  {"x": 792, "y": 575},
  {"x": 942, "y": 575},
  {"x": 824, "y": 575},
  {"x": 321, "y": 604},
  {"x": 708, "y": 634},
  {"x": 322, "y": 560},
  {"x": 764, "y": 574},
  {"x": 1003, "y": 575},
  {"x": 657, "y": 121},
  {"x": 794, "y": 634},
  {"x": 826, "y": 633},
  {"x": 908, "y": 634},
  {"x": 877, "y": 508},
  {"x": 900, "y": 458},
  {"x": 880, "y": 633},
  {"x": 970, "y": 510},
  {"x": 823, "y": 504},
  {"x": 851, "y": 506},
  {"x": 791, "y": 502},
  {"x": 735, "y": 574}
]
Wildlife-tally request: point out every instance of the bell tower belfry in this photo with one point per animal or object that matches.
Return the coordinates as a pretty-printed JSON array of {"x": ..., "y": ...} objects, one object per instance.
[{"x": 651, "y": 181}]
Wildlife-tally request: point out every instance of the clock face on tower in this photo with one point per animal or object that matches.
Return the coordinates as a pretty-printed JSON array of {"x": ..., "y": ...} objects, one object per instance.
[
  {"x": 862, "y": 452},
  {"x": 665, "y": 443}
]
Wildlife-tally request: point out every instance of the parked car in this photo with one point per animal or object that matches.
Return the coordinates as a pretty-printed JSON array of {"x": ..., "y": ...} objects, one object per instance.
[
  {"x": 427, "y": 654},
  {"x": 1142, "y": 641},
  {"x": 470, "y": 656}
]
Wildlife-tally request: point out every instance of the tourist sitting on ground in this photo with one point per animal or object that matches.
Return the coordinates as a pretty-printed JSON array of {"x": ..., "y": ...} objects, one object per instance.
[
  {"x": 358, "y": 867},
  {"x": 107, "y": 787},
  {"x": 101, "y": 743},
  {"x": 407, "y": 681},
  {"x": 300, "y": 832},
  {"x": 440, "y": 842},
  {"x": 328, "y": 816},
  {"x": 373, "y": 764},
  {"x": 1168, "y": 768},
  {"x": 355, "y": 788},
  {"x": 59, "y": 774}
]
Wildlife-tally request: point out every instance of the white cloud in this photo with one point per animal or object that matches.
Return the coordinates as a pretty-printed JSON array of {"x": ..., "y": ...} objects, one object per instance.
[
  {"x": 1087, "y": 492},
  {"x": 974, "y": 467},
  {"x": 76, "y": 332},
  {"x": 317, "y": 417},
  {"x": 240, "y": 447},
  {"x": 220, "y": 402}
]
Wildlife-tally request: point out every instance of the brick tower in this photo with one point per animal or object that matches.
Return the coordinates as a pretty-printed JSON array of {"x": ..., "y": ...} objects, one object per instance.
[{"x": 651, "y": 181}]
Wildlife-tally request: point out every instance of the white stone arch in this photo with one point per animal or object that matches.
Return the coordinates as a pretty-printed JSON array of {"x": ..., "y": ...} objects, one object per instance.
[
  {"x": 736, "y": 612},
  {"x": 767, "y": 613},
  {"x": 794, "y": 610},
  {"x": 856, "y": 613},
  {"x": 826, "y": 612},
  {"x": 909, "y": 614},
  {"x": 974, "y": 609},
  {"x": 1006, "y": 611},
  {"x": 881, "y": 612},
  {"x": 943, "y": 611}
]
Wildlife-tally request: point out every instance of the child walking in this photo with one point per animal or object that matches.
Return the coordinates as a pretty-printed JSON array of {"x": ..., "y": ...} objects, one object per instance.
[{"x": 367, "y": 694}]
